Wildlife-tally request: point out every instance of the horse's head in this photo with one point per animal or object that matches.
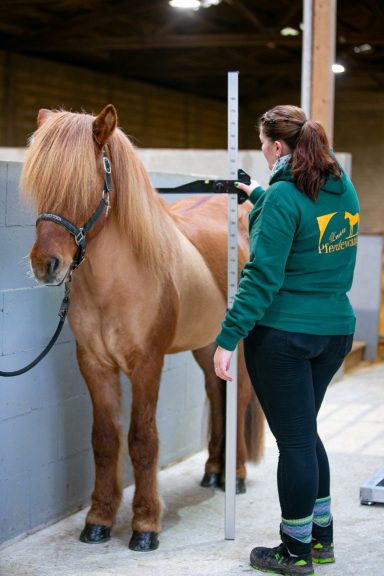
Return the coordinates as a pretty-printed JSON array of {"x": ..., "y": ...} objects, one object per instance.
[{"x": 64, "y": 174}]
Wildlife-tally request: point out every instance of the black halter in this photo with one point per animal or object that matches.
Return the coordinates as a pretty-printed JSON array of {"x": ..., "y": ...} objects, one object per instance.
[{"x": 79, "y": 234}]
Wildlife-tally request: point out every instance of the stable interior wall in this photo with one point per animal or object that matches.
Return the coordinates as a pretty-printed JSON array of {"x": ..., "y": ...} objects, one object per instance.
[
  {"x": 160, "y": 118},
  {"x": 359, "y": 128},
  {"x": 151, "y": 116}
]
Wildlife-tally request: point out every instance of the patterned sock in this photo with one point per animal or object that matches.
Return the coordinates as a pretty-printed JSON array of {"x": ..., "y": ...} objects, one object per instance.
[
  {"x": 322, "y": 511},
  {"x": 300, "y": 529}
]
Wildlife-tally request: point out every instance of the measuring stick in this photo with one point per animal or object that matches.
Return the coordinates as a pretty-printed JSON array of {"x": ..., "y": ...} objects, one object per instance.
[{"x": 231, "y": 392}]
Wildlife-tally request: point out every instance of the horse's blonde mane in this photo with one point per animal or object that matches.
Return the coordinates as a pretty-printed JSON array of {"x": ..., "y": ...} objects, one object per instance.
[{"x": 61, "y": 175}]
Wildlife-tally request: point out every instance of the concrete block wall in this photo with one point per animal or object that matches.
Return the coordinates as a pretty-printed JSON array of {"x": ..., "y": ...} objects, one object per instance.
[
  {"x": 366, "y": 292},
  {"x": 46, "y": 463}
]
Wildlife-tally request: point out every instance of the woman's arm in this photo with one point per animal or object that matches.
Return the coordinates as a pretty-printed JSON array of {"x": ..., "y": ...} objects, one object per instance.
[{"x": 271, "y": 239}]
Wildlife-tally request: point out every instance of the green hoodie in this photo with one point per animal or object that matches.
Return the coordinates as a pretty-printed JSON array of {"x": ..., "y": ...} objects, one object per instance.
[{"x": 302, "y": 258}]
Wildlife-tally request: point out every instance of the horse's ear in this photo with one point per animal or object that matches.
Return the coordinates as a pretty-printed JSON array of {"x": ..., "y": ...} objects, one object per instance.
[
  {"x": 42, "y": 115},
  {"x": 104, "y": 124}
]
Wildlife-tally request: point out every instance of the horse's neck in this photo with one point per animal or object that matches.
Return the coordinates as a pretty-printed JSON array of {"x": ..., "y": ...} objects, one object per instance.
[
  {"x": 112, "y": 266},
  {"x": 144, "y": 221}
]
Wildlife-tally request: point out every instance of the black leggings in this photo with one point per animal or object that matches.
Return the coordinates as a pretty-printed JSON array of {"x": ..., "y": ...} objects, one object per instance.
[{"x": 290, "y": 373}]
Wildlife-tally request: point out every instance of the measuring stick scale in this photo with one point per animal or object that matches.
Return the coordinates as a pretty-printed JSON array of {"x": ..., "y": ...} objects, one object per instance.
[{"x": 231, "y": 391}]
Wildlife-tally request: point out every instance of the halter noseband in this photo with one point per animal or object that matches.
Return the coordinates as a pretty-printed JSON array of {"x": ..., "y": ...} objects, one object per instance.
[{"x": 79, "y": 234}]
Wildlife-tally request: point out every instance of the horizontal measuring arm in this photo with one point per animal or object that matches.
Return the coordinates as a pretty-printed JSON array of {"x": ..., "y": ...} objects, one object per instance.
[{"x": 212, "y": 187}]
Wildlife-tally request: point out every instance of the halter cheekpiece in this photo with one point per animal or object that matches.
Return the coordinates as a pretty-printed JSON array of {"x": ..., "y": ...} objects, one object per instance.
[{"x": 79, "y": 234}]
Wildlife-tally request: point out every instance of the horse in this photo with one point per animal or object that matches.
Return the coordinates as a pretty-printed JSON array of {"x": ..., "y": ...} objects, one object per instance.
[
  {"x": 153, "y": 283},
  {"x": 353, "y": 219}
]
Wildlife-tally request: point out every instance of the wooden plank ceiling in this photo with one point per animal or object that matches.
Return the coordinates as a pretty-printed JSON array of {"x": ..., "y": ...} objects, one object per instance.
[{"x": 192, "y": 51}]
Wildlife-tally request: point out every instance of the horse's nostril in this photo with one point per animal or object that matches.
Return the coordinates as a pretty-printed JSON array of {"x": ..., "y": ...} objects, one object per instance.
[{"x": 54, "y": 266}]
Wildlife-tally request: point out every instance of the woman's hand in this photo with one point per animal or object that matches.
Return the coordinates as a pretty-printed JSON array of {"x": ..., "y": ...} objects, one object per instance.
[
  {"x": 222, "y": 361},
  {"x": 247, "y": 188}
]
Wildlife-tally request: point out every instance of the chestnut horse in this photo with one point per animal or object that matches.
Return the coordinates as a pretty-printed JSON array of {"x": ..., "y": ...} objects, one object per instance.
[{"x": 153, "y": 283}]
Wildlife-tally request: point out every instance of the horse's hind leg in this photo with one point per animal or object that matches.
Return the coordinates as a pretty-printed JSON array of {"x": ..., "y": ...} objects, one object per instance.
[
  {"x": 244, "y": 395},
  {"x": 215, "y": 388},
  {"x": 104, "y": 387},
  {"x": 215, "y": 465}
]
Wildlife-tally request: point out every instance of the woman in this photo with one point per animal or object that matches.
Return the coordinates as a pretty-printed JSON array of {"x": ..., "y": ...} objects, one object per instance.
[{"x": 293, "y": 312}]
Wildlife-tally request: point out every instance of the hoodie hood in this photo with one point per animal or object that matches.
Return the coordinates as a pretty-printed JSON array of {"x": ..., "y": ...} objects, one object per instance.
[{"x": 332, "y": 185}]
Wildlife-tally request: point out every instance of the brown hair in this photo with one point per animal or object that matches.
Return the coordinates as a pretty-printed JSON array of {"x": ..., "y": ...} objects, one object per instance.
[{"x": 312, "y": 162}]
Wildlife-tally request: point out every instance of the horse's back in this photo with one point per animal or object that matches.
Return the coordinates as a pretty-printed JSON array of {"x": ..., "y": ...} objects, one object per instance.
[{"x": 204, "y": 220}]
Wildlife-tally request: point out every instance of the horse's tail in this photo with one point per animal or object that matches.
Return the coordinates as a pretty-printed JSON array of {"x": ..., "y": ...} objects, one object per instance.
[{"x": 254, "y": 429}]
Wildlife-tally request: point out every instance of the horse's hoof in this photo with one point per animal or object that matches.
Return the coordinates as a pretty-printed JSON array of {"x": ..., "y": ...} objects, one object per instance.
[
  {"x": 240, "y": 485},
  {"x": 211, "y": 480},
  {"x": 144, "y": 541},
  {"x": 95, "y": 534}
]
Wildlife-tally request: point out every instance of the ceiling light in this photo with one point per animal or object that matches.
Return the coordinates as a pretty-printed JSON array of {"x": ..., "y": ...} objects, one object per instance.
[
  {"x": 288, "y": 31},
  {"x": 363, "y": 48},
  {"x": 338, "y": 68},
  {"x": 193, "y": 4},
  {"x": 186, "y": 4}
]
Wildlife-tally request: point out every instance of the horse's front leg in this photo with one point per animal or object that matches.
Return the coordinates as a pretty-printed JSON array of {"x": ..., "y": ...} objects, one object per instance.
[
  {"x": 143, "y": 443},
  {"x": 104, "y": 387}
]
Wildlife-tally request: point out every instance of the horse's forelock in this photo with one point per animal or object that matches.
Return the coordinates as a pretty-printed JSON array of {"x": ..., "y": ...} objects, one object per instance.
[{"x": 59, "y": 172}]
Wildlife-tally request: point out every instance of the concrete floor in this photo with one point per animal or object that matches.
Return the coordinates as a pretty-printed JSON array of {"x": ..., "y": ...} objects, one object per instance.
[{"x": 192, "y": 541}]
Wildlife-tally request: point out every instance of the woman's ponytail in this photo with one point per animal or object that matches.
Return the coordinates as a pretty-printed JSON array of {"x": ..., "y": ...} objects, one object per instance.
[{"x": 312, "y": 162}]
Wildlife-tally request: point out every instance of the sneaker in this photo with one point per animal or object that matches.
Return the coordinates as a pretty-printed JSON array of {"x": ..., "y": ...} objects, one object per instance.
[
  {"x": 279, "y": 561},
  {"x": 322, "y": 544},
  {"x": 322, "y": 552}
]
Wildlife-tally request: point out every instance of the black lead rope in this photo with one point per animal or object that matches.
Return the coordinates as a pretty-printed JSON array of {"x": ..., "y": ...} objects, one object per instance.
[
  {"x": 79, "y": 235},
  {"x": 63, "y": 314}
]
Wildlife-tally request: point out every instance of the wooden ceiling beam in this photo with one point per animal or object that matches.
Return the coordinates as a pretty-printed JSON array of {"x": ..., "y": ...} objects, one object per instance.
[
  {"x": 110, "y": 42},
  {"x": 55, "y": 43},
  {"x": 249, "y": 14},
  {"x": 62, "y": 30},
  {"x": 6, "y": 3},
  {"x": 288, "y": 17},
  {"x": 379, "y": 81},
  {"x": 213, "y": 71}
]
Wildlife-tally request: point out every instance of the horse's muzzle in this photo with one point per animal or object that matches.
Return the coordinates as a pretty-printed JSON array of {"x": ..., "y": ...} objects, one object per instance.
[{"x": 50, "y": 271}]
